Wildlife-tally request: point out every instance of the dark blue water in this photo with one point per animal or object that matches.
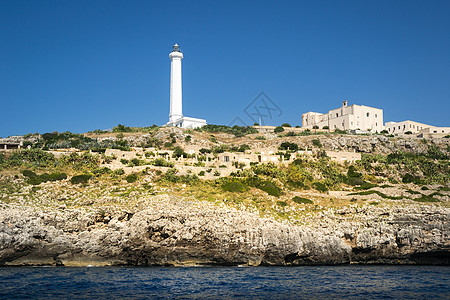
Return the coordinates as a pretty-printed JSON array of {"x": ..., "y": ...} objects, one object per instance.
[{"x": 321, "y": 282}]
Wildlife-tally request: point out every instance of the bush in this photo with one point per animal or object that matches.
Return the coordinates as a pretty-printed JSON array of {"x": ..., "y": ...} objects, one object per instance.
[
  {"x": 281, "y": 203},
  {"x": 201, "y": 173},
  {"x": 234, "y": 186},
  {"x": 35, "y": 179},
  {"x": 317, "y": 143},
  {"x": 288, "y": 146},
  {"x": 264, "y": 185},
  {"x": 408, "y": 178},
  {"x": 28, "y": 173},
  {"x": 119, "y": 172},
  {"x": 278, "y": 129},
  {"x": 301, "y": 200},
  {"x": 321, "y": 187},
  {"x": 325, "y": 127},
  {"x": 31, "y": 157},
  {"x": 101, "y": 171},
  {"x": 204, "y": 150},
  {"x": 315, "y": 127},
  {"x": 286, "y": 125},
  {"x": 83, "y": 178},
  {"x": 131, "y": 178},
  {"x": 161, "y": 162},
  {"x": 408, "y": 132},
  {"x": 238, "y": 131}
]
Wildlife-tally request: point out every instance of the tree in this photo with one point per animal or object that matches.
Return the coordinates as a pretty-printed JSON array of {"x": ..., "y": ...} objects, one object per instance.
[
  {"x": 286, "y": 125},
  {"x": 278, "y": 129}
]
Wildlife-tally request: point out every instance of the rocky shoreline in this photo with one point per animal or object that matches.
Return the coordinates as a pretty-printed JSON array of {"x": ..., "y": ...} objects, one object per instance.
[{"x": 169, "y": 231}]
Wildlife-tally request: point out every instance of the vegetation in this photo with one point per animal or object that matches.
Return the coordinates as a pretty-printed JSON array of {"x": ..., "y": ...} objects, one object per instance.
[
  {"x": 278, "y": 129},
  {"x": 301, "y": 200},
  {"x": 35, "y": 179},
  {"x": 78, "y": 179},
  {"x": 238, "y": 131}
]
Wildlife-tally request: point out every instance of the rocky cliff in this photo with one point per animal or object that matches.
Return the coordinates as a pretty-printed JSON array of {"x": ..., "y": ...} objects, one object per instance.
[{"x": 165, "y": 230}]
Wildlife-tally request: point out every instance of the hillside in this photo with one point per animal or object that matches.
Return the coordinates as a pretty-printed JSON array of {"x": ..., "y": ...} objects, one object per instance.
[{"x": 228, "y": 196}]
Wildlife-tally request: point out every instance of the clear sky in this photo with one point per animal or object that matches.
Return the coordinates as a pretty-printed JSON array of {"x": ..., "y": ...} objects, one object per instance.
[{"x": 84, "y": 65}]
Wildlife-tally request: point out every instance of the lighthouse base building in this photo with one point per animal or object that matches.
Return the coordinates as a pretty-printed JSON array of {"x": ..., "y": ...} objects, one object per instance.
[
  {"x": 187, "y": 122},
  {"x": 176, "y": 118}
]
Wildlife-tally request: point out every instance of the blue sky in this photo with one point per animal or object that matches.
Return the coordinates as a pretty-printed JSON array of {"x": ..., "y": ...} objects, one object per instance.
[{"x": 85, "y": 65}]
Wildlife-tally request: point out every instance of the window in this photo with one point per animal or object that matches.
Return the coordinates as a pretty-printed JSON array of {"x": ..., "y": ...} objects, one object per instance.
[
  {"x": 375, "y": 115},
  {"x": 367, "y": 114},
  {"x": 337, "y": 115},
  {"x": 376, "y": 124},
  {"x": 226, "y": 158}
]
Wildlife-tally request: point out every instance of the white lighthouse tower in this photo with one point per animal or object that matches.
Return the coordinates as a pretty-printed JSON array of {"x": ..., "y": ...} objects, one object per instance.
[{"x": 176, "y": 117}]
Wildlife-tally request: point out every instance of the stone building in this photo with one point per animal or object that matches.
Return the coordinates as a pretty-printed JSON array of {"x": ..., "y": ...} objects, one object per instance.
[
  {"x": 399, "y": 128},
  {"x": 404, "y": 126},
  {"x": 351, "y": 117}
]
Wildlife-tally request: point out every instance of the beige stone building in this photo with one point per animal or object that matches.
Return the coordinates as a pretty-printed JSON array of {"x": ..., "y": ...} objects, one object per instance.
[
  {"x": 351, "y": 117},
  {"x": 400, "y": 128},
  {"x": 404, "y": 126}
]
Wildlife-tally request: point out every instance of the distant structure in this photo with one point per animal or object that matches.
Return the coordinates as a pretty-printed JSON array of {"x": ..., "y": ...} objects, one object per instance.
[
  {"x": 353, "y": 117},
  {"x": 176, "y": 118},
  {"x": 400, "y": 128}
]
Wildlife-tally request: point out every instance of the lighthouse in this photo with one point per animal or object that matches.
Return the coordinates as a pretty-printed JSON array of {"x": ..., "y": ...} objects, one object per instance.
[
  {"x": 176, "y": 118},
  {"x": 176, "y": 95}
]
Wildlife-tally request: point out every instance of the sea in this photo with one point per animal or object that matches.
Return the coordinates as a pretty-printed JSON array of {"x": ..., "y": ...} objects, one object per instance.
[{"x": 305, "y": 282}]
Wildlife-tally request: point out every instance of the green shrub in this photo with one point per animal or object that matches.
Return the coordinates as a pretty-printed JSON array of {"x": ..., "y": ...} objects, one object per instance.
[
  {"x": 131, "y": 178},
  {"x": 264, "y": 185},
  {"x": 408, "y": 178},
  {"x": 203, "y": 150},
  {"x": 35, "y": 179},
  {"x": 201, "y": 173},
  {"x": 102, "y": 171},
  {"x": 366, "y": 186},
  {"x": 426, "y": 199},
  {"x": 161, "y": 162},
  {"x": 424, "y": 188},
  {"x": 382, "y": 195},
  {"x": 238, "y": 131},
  {"x": 317, "y": 143},
  {"x": 278, "y": 129},
  {"x": 28, "y": 173},
  {"x": 281, "y": 203},
  {"x": 124, "y": 161},
  {"x": 320, "y": 186},
  {"x": 30, "y": 157},
  {"x": 301, "y": 200},
  {"x": 234, "y": 186},
  {"x": 286, "y": 125},
  {"x": 288, "y": 146},
  {"x": 171, "y": 176},
  {"x": 119, "y": 172},
  {"x": 83, "y": 178}
]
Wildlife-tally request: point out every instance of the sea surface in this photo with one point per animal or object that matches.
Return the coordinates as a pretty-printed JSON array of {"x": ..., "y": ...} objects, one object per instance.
[{"x": 310, "y": 282}]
